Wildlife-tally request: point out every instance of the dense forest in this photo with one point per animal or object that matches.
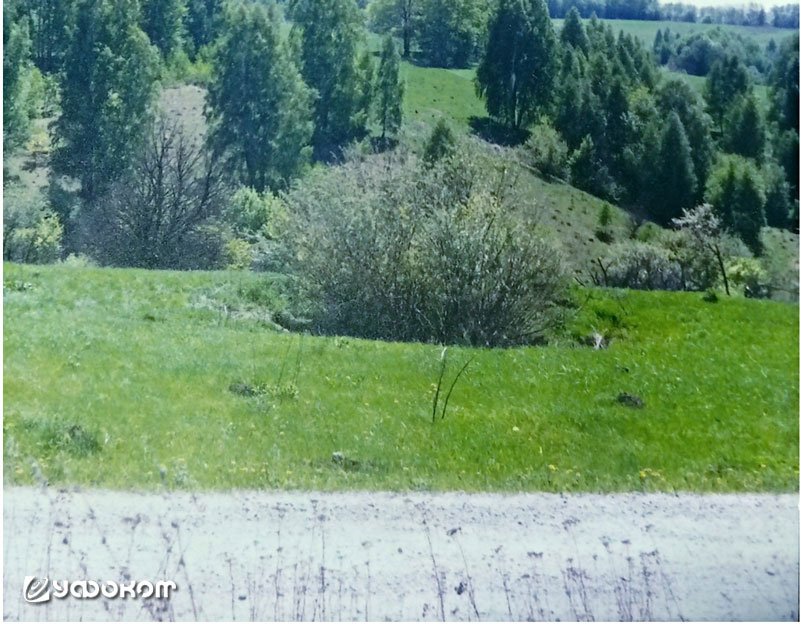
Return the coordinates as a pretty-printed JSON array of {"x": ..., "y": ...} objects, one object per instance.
[{"x": 295, "y": 87}]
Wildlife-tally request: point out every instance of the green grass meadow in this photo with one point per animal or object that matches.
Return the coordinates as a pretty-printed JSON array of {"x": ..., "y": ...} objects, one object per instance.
[
  {"x": 646, "y": 30},
  {"x": 432, "y": 93},
  {"x": 160, "y": 380}
]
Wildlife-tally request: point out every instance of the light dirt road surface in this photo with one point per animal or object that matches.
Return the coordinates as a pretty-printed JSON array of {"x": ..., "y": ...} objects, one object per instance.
[{"x": 379, "y": 556}]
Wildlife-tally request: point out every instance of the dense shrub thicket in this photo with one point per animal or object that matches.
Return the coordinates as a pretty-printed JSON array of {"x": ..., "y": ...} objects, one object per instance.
[{"x": 392, "y": 248}]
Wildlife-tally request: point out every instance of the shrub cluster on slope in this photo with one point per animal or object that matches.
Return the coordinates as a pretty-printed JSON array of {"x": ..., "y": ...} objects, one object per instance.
[{"x": 399, "y": 249}]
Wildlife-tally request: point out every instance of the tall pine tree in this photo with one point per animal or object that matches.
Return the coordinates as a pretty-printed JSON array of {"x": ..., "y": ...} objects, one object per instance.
[
  {"x": 16, "y": 64},
  {"x": 676, "y": 181},
  {"x": 162, "y": 20},
  {"x": 259, "y": 109},
  {"x": 677, "y": 96},
  {"x": 519, "y": 67},
  {"x": 743, "y": 129},
  {"x": 50, "y": 22},
  {"x": 573, "y": 33},
  {"x": 107, "y": 87},
  {"x": 727, "y": 79},
  {"x": 736, "y": 190},
  {"x": 329, "y": 34},
  {"x": 202, "y": 22},
  {"x": 389, "y": 90}
]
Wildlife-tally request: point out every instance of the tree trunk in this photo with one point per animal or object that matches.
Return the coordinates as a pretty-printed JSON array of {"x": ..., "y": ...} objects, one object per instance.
[{"x": 722, "y": 269}]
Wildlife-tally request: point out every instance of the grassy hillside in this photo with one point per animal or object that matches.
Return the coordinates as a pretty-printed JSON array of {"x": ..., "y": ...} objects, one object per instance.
[
  {"x": 571, "y": 215},
  {"x": 127, "y": 378},
  {"x": 432, "y": 93},
  {"x": 646, "y": 30}
]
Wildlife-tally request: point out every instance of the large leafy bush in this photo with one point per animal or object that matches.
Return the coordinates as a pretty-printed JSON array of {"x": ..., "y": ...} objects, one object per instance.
[{"x": 391, "y": 248}]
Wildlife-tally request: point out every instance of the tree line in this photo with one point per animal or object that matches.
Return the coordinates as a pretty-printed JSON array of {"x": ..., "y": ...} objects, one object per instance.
[
  {"x": 697, "y": 52},
  {"x": 594, "y": 106},
  {"x": 274, "y": 105},
  {"x": 785, "y": 16},
  {"x": 616, "y": 129}
]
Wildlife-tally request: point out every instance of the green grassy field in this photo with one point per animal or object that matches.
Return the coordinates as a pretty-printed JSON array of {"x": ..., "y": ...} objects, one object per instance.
[
  {"x": 432, "y": 93},
  {"x": 646, "y": 30},
  {"x": 158, "y": 380}
]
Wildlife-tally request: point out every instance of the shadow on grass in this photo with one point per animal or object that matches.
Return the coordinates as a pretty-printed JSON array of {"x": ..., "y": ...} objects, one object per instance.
[{"x": 490, "y": 130}]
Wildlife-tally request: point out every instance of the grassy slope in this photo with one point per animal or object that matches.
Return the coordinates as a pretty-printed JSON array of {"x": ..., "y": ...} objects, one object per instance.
[
  {"x": 432, "y": 93},
  {"x": 646, "y": 30},
  {"x": 120, "y": 378}
]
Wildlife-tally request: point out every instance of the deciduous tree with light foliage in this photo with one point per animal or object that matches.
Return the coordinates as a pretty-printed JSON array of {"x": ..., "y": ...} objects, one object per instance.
[
  {"x": 452, "y": 32},
  {"x": 705, "y": 230}
]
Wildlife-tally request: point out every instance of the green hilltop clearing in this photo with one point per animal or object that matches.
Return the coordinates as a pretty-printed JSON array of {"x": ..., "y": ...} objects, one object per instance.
[{"x": 126, "y": 378}]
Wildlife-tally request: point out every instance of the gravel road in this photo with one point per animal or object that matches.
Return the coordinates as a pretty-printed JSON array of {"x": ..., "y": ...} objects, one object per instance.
[{"x": 379, "y": 556}]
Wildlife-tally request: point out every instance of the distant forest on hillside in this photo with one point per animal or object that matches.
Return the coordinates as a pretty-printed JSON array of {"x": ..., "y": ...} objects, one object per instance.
[{"x": 785, "y": 16}]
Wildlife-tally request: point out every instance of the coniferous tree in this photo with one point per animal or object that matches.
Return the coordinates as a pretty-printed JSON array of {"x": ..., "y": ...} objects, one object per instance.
[
  {"x": 658, "y": 43},
  {"x": 588, "y": 173},
  {"x": 783, "y": 81},
  {"x": 328, "y": 34},
  {"x": 16, "y": 63},
  {"x": 162, "y": 20},
  {"x": 617, "y": 131},
  {"x": 676, "y": 181},
  {"x": 201, "y": 22},
  {"x": 389, "y": 90},
  {"x": 517, "y": 72},
  {"x": 573, "y": 33},
  {"x": 786, "y": 148},
  {"x": 365, "y": 81},
  {"x": 743, "y": 130},
  {"x": 778, "y": 204},
  {"x": 259, "y": 109},
  {"x": 736, "y": 190},
  {"x": 440, "y": 144},
  {"x": 678, "y": 96},
  {"x": 727, "y": 80},
  {"x": 571, "y": 95},
  {"x": 107, "y": 87},
  {"x": 50, "y": 23}
]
